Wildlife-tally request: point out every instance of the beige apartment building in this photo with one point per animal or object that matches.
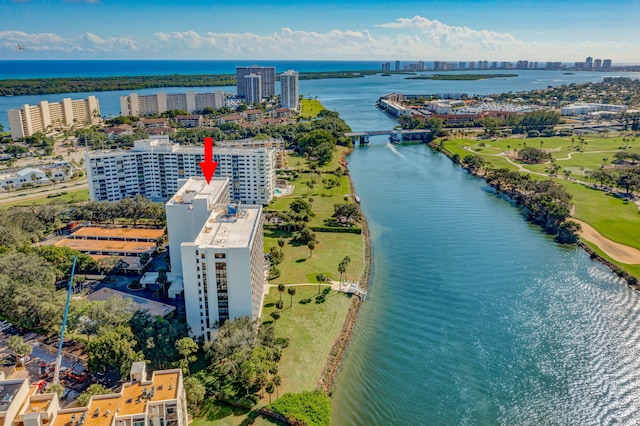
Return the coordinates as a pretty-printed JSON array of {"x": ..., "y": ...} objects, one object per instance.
[{"x": 46, "y": 116}]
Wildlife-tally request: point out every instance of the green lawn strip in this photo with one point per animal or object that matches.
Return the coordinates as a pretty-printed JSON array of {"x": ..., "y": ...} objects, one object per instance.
[
  {"x": 70, "y": 197},
  {"x": 631, "y": 269},
  {"x": 216, "y": 413},
  {"x": 312, "y": 328},
  {"x": 331, "y": 248},
  {"x": 310, "y": 108}
]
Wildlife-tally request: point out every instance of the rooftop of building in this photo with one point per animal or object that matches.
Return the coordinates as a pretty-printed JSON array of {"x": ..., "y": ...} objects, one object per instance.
[
  {"x": 196, "y": 188},
  {"x": 233, "y": 226},
  {"x": 120, "y": 233},
  {"x": 109, "y": 246},
  {"x": 154, "y": 308},
  {"x": 8, "y": 391},
  {"x": 132, "y": 399},
  {"x": 161, "y": 143}
]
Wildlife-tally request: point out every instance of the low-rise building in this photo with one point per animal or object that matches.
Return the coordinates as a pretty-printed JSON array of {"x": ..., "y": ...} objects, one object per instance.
[
  {"x": 194, "y": 120},
  {"x": 160, "y": 400},
  {"x": 34, "y": 176}
]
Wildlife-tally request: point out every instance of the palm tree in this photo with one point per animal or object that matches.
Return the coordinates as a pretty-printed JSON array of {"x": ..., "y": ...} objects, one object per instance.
[
  {"x": 277, "y": 381},
  {"x": 276, "y": 316},
  {"x": 281, "y": 290},
  {"x": 281, "y": 244},
  {"x": 292, "y": 292},
  {"x": 311, "y": 246},
  {"x": 269, "y": 389},
  {"x": 346, "y": 262},
  {"x": 342, "y": 268},
  {"x": 320, "y": 278}
]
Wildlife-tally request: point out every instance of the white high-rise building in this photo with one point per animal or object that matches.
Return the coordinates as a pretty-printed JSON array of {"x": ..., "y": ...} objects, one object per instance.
[
  {"x": 189, "y": 209},
  {"x": 222, "y": 263},
  {"x": 141, "y": 105},
  {"x": 152, "y": 169},
  {"x": 30, "y": 119},
  {"x": 253, "y": 87},
  {"x": 289, "y": 89}
]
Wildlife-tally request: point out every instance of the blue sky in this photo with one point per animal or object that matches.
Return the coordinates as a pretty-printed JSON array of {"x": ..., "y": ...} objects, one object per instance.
[{"x": 341, "y": 30}]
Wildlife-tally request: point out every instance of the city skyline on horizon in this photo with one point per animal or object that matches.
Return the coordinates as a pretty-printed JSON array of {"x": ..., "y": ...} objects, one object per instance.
[{"x": 494, "y": 30}]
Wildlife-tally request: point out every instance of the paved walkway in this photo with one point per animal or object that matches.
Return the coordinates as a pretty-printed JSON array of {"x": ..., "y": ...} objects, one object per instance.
[{"x": 348, "y": 287}]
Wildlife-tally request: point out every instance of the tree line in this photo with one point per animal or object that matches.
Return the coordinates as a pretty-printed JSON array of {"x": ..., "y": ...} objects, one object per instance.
[
  {"x": 42, "y": 86},
  {"x": 544, "y": 203}
]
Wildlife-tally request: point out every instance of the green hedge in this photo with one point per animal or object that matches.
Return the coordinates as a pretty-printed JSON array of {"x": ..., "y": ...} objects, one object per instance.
[
  {"x": 310, "y": 408},
  {"x": 336, "y": 229}
]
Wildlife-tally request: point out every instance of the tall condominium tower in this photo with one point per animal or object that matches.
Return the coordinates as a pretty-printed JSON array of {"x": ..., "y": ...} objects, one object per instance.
[
  {"x": 267, "y": 76},
  {"x": 253, "y": 88},
  {"x": 289, "y": 88},
  {"x": 221, "y": 255}
]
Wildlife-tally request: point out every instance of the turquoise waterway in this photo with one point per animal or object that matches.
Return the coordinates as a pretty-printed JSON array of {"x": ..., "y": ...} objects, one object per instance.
[{"x": 473, "y": 316}]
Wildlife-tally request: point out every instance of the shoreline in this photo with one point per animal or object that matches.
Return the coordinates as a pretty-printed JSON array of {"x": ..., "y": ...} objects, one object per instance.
[
  {"x": 338, "y": 349},
  {"x": 631, "y": 280}
]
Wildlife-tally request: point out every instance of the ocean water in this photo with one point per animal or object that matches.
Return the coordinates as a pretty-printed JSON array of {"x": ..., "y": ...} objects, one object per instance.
[{"x": 474, "y": 317}]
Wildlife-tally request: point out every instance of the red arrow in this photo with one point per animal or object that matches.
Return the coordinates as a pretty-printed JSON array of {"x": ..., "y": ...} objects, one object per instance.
[{"x": 208, "y": 166}]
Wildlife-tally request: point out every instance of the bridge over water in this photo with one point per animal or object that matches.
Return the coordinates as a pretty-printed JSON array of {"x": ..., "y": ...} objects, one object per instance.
[{"x": 395, "y": 136}]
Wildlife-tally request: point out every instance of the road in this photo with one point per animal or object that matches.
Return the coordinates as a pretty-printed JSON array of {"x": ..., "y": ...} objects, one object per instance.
[{"x": 13, "y": 197}]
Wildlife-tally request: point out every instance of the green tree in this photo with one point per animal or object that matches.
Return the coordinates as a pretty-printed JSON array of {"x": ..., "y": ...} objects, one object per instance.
[
  {"x": 276, "y": 314},
  {"x": 320, "y": 278},
  {"x": 195, "y": 392},
  {"x": 569, "y": 232},
  {"x": 156, "y": 337},
  {"x": 281, "y": 288},
  {"x": 347, "y": 213},
  {"x": 187, "y": 347},
  {"x": 55, "y": 388},
  {"x": 345, "y": 262},
  {"x": 19, "y": 347},
  {"x": 270, "y": 388},
  {"x": 113, "y": 351},
  {"x": 311, "y": 245},
  {"x": 92, "y": 390},
  {"x": 292, "y": 292},
  {"x": 281, "y": 244},
  {"x": 277, "y": 381}
]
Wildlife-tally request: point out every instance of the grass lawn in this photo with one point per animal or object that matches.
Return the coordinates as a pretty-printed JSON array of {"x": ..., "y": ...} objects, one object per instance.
[
  {"x": 297, "y": 267},
  {"x": 613, "y": 217},
  {"x": 310, "y": 108},
  {"x": 311, "y": 328},
  {"x": 70, "y": 197},
  {"x": 214, "y": 413}
]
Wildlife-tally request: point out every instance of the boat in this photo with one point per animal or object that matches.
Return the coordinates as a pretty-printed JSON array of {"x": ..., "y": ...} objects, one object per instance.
[{"x": 357, "y": 199}]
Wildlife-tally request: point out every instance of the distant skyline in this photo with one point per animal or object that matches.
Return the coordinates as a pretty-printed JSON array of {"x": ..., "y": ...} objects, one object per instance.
[{"x": 463, "y": 30}]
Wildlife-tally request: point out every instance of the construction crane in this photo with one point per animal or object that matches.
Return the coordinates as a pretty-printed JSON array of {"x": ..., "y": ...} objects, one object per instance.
[{"x": 56, "y": 371}]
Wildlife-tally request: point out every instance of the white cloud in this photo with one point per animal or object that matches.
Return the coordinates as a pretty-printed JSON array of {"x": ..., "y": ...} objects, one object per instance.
[
  {"x": 454, "y": 42},
  {"x": 416, "y": 38},
  {"x": 48, "y": 42}
]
